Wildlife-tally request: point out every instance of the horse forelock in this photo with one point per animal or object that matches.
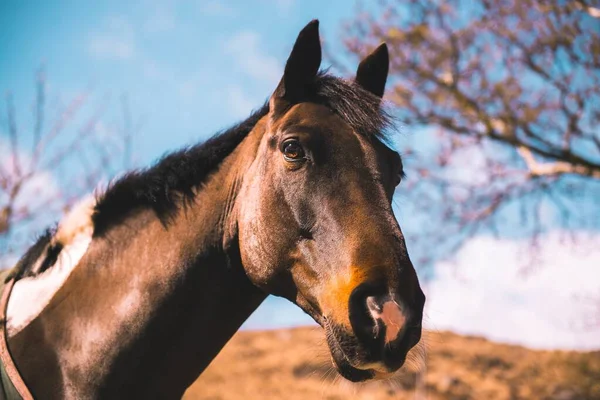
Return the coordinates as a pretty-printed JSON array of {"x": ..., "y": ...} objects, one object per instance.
[{"x": 363, "y": 111}]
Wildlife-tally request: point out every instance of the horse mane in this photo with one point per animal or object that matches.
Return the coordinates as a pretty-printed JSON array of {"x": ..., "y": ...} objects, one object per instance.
[
  {"x": 163, "y": 186},
  {"x": 360, "y": 109},
  {"x": 174, "y": 178},
  {"x": 37, "y": 253}
]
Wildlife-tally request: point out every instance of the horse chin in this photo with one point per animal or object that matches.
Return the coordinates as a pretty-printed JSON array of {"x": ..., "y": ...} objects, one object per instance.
[
  {"x": 346, "y": 370},
  {"x": 354, "y": 370},
  {"x": 342, "y": 363},
  {"x": 354, "y": 374}
]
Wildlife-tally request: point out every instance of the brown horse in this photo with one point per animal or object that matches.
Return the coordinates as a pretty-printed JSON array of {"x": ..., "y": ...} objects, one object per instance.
[{"x": 133, "y": 294}]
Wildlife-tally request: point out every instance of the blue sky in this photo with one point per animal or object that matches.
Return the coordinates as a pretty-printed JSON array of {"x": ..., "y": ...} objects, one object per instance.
[{"x": 190, "y": 68}]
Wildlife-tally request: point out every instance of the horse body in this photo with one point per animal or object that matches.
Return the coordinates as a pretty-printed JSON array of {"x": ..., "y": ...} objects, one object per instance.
[
  {"x": 295, "y": 202},
  {"x": 163, "y": 316}
]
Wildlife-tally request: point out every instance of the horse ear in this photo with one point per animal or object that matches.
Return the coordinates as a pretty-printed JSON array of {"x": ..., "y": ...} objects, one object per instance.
[
  {"x": 303, "y": 63},
  {"x": 373, "y": 70}
]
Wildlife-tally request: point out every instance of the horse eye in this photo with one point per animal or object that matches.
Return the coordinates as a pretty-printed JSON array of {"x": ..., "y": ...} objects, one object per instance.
[{"x": 292, "y": 150}]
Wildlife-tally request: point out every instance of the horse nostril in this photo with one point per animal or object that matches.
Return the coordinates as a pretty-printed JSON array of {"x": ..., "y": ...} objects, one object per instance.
[
  {"x": 363, "y": 324},
  {"x": 389, "y": 316},
  {"x": 382, "y": 324}
]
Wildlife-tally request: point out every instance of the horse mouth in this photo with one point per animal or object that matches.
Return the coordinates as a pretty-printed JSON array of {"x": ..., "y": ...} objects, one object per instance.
[
  {"x": 354, "y": 363},
  {"x": 344, "y": 363}
]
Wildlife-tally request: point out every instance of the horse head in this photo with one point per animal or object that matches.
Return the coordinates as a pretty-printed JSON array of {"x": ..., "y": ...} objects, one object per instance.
[{"x": 315, "y": 219}]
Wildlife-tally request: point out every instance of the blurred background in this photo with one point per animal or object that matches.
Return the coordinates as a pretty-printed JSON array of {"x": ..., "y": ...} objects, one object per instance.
[{"x": 498, "y": 103}]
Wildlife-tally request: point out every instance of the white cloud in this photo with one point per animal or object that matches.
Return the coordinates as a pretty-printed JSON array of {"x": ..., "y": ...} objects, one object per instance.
[
  {"x": 111, "y": 48},
  {"x": 239, "y": 103},
  {"x": 161, "y": 20},
  {"x": 38, "y": 190},
  {"x": 284, "y": 5},
  {"x": 153, "y": 70},
  {"x": 217, "y": 8},
  {"x": 115, "y": 42},
  {"x": 245, "y": 48},
  {"x": 190, "y": 87},
  {"x": 490, "y": 297}
]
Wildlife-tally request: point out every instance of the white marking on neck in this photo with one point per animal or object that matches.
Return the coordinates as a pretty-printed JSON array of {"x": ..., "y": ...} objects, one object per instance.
[{"x": 30, "y": 296}]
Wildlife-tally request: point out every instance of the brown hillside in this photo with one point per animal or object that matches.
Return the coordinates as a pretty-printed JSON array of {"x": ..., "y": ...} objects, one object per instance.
[{"x": 293, "y": 364}]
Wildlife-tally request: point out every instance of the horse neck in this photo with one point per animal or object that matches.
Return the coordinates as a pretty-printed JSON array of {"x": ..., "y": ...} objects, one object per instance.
[{"x": 148, "y": 307}]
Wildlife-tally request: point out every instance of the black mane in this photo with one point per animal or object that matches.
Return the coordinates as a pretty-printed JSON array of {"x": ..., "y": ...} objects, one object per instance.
[
  {"x": 24, "y": 267},
  {"x": 173, "y": 179}
]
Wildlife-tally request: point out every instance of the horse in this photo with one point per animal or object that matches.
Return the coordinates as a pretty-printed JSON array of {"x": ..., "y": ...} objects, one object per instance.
[{"x": 139, "y": 287}]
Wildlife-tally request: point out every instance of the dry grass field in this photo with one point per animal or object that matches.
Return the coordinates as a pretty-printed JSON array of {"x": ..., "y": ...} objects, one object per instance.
[{"x": 294, "y": 364}]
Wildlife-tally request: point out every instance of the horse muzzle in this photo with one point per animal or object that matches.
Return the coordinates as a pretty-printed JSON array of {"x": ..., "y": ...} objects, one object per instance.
[{"x": 382, "y": 331}]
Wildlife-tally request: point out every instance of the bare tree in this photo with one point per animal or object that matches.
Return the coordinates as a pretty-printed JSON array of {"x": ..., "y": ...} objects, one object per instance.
[
  {"x": 508, "y": 93},
  {"x": 47, "y": 163}
]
